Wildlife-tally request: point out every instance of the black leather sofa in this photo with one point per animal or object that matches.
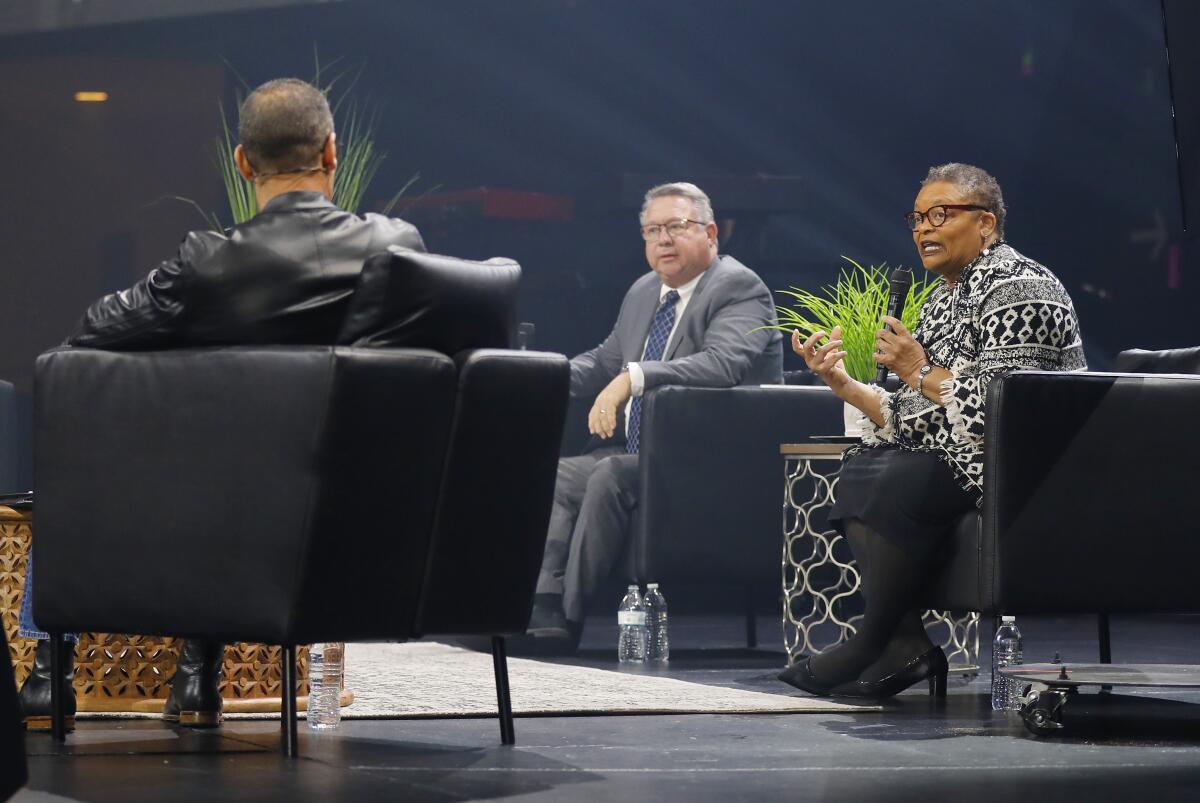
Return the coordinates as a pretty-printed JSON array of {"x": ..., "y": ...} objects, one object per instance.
[{"x": 294, "y": 494}]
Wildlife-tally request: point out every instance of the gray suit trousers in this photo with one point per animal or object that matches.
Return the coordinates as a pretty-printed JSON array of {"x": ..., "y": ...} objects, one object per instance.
[{"x": 594, "y": 499}]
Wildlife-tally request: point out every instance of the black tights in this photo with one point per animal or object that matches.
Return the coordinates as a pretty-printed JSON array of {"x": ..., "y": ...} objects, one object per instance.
[{"x": 891, "y": 633}]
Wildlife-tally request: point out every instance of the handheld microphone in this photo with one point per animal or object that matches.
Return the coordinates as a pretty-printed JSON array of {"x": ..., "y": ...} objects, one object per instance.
[{"x": 900, "y": 282}]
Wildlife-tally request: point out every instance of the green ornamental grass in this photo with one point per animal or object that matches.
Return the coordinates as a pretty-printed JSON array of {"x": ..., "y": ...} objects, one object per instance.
[{"x": 856, "y": 302}]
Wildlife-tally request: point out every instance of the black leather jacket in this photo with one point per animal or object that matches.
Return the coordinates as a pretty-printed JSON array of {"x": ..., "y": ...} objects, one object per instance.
[{"x": 284, "y": 276}]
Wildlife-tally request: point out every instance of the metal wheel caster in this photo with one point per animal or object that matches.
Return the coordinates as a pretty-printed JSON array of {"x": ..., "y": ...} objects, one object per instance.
[{"x": 1042, "y": 712}]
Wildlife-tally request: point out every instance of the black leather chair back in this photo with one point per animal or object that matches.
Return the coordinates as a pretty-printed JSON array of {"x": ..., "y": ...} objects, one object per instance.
[
  {"x": 276, "y": 494},
  {"x": 8, "y": 439},
  {"x": 494, "y": 508},
  {"x": 413, "y": 299},
  {"x": 1169, "y": 361}
]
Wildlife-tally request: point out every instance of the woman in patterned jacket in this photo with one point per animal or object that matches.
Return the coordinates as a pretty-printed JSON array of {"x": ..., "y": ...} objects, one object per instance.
[{"x": 921, "y": 463}]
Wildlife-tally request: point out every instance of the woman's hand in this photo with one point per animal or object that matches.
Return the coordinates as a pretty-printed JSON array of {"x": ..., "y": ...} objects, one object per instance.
[
  {"x": 824, "y": 361},
  {"x": 899, "y": 350}
]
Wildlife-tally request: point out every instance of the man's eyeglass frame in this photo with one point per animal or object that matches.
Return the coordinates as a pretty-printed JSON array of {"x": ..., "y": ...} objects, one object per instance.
[{"x": 651, "y": 232}]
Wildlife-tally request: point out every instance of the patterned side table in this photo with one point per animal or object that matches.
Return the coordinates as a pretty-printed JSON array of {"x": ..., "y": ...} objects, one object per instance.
[
  {"x": 821, "y": 603},
  {"x": 116, "y": 672}
]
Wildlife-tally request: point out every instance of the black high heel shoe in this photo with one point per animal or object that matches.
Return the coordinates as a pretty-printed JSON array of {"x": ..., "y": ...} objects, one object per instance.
[
  {"x": 931, "y": 666},
  {"x": 195, "y": 697},
  {"x": 800, "y": 676}
]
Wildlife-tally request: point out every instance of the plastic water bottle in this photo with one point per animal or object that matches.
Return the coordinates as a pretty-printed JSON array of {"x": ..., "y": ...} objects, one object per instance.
[
  {"x": 631, "y": 622},
  {"x": 1006, "y": 651},
  {"x": 658, "y": 647},
  {"x": 325, "y": 685}
]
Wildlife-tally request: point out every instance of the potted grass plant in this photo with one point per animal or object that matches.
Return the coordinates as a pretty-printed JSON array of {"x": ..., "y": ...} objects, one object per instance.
[{"x": 855, "y": 302}]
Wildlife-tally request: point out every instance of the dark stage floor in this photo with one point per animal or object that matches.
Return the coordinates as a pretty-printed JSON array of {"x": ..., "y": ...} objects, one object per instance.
[{"x": 913, "y": 750}]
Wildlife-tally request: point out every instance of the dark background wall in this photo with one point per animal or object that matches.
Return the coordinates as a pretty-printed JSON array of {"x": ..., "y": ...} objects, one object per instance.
[{"x": 810, "y": 123}]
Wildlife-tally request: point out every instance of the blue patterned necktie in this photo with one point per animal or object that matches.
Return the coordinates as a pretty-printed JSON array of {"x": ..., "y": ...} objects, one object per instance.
[{"x": 656, "y": 343}]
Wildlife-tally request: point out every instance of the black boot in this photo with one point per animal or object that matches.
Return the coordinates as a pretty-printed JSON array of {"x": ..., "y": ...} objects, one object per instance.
[
  {"x": 35, "y": 693},
  {"x": 195, "y": 698}
]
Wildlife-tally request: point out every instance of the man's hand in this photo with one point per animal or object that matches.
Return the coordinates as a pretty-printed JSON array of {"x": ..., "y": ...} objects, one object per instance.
[
  {"x": 899, "y": 350},
  {"x": 602, "y": 420}
]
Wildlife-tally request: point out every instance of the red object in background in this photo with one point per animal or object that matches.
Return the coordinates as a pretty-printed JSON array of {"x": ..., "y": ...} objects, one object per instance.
[{"x": 501, "y": 204}]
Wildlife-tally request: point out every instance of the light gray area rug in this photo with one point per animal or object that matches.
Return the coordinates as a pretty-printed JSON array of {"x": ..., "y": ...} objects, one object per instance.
[{"x": 427, "y": 679}]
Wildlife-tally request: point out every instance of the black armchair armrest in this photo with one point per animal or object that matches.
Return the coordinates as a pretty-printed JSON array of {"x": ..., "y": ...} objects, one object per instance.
[
  {"x": 1090, "y": 493},
  {"x": 711, "y": 479}
]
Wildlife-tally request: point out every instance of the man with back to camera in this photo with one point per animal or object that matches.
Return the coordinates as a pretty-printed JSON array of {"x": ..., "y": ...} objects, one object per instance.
[
  {"x": 694, "y": 320},
  {"x": 285, "y": 276}
]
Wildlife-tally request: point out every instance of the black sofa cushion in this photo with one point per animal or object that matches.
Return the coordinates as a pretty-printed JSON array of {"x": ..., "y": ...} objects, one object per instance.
[{"x": 407, "y": 298}]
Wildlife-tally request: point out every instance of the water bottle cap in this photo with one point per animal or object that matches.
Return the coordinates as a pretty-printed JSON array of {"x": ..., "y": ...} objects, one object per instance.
[
  {"x": 632, "y": 587},
  {"x": 1008, "y": 618},
  {"x": 651, "y": 585}
]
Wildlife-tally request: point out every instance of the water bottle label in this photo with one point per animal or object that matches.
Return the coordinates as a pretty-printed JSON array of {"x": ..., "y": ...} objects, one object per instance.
[{"x": 635, "y": 618}]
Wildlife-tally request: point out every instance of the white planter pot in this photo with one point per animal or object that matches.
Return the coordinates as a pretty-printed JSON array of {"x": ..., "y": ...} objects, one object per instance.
[{"x": 850, "y": 419}]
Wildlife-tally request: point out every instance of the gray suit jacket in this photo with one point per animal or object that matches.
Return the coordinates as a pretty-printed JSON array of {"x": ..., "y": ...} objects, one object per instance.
[{"x": 714, "y": 345}]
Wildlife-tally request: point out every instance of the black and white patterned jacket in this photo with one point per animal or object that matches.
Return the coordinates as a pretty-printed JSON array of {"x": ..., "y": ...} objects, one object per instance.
[{"x": 1005, "y": 312}]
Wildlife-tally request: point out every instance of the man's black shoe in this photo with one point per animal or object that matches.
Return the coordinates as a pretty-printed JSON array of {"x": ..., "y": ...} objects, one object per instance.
[
  {"x": 548, "y": 619},
  {"x": 195, "y": 698},
  {"x": 34, "y": 698}
]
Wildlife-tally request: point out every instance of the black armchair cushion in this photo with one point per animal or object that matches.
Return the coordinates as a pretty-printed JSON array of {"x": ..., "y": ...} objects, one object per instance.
[
  {"x": 1169, "y": 361},
  {"x": 409, "y": 298}
]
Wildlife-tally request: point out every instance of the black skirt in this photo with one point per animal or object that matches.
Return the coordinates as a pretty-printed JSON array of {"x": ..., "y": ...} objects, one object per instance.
[{"x": 911, "y": 498}]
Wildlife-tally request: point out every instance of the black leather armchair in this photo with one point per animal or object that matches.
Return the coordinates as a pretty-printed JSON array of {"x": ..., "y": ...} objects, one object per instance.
[
  {"x": 1089, "y": 497},
  {"x": 8, "y": 438},
  {"x": 293, "y": 494},
  {"x": 710, "y": 508},
  {"x": 12, "y": 736}
]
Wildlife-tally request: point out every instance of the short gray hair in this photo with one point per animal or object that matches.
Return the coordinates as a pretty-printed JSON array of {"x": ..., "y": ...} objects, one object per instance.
[
  {"x": 680, "y": 189},
  {"x": 977, "y": 184}
]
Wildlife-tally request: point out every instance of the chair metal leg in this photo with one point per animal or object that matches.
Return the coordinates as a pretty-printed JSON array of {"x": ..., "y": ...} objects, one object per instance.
[
  {"x": 287, "y": 715},
  {"x": 1105, "y": 638},
  {"x": 751, "y": 619},
  {"x": 58, "y": 723},
  {"x": 500, "y": 664}
]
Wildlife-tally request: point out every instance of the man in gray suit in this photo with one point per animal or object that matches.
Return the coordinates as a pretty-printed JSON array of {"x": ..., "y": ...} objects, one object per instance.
[{"x": 695, "y": 321}]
